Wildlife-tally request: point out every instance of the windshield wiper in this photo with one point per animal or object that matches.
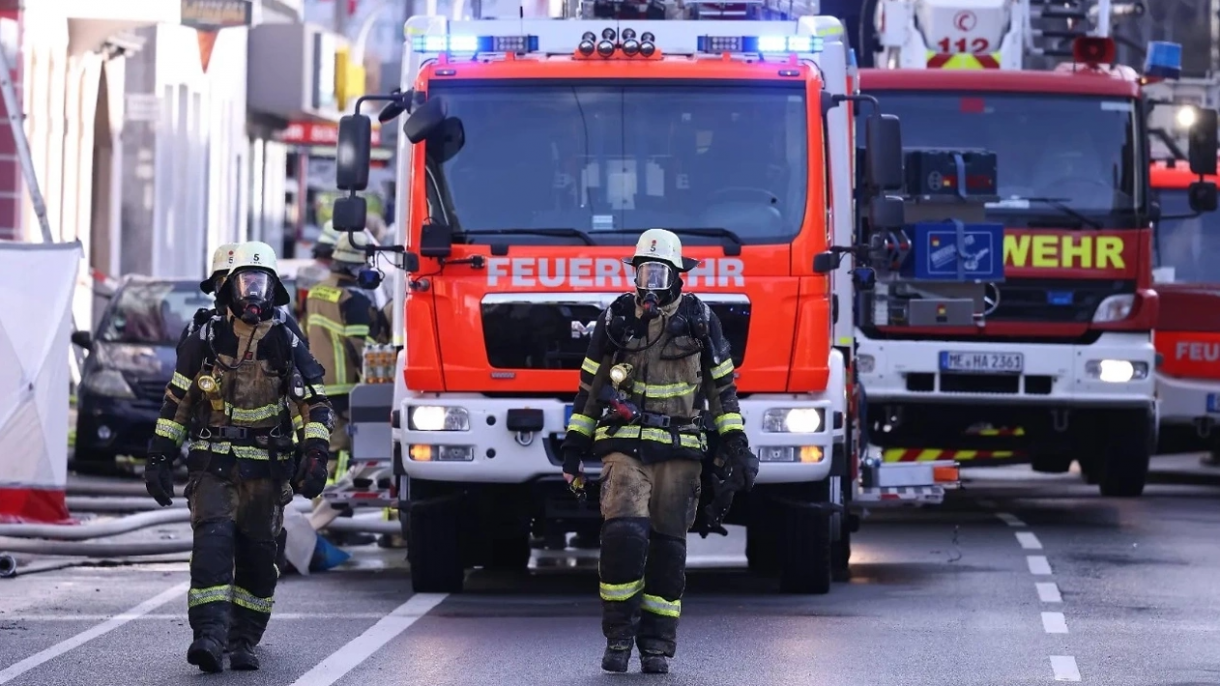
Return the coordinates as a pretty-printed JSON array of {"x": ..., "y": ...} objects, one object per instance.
[
  {"x": 569, "y": 232},
  {"x": 711, "y": 232},
  {"x": 1058, "y": 204}
]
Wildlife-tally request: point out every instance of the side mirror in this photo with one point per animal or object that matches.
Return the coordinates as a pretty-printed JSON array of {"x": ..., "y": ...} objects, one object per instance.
[
  {"x": 1203, "y": 142},
  {"x": 883, "y": 152},
  {"x": 1202, "y": 196},
  {"x": 395, "y": 107},
  {"x": 354, "y": 153},
  {"x": 886, "y": 212},
  {"x": 425, "y": 120},
  {"x": 436, "y": 240},
  {"x": 82, "y": 340},
  {"x": 825, "y": 262},
  {"x": 350, "y": 213}
]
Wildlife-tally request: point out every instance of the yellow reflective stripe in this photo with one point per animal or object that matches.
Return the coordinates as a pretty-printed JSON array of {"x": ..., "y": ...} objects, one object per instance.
[
  {"x": 250, "y": 601},
  {"x": 339, "y": 346},
  {"x": 722, "y": 370},
  {"x": 582, "y": 424},
  {"x": 325, "y": 323},
  {"x": 256, "y": 414},
  {"x": 356, "y": 330},
  {"x": 213, "y": 594},
  {"x": 180, "y": 382},
  {"x": 298, "y": 422},
  {"x": 650, "y": 434},
  {"x": 328, "y": 293},
  {"x": 660, "y": 606},
  {"x": 620, "y": 592},
  {"x": 673, "y": 390},
  {"x": 168, "y": 428},
  {"x": 730, "y": 421},
  {"x": 248, "y": 452},
  {"x": 590, "y": 366},
  {"x": 317, "y": 430},
  {"x": 339, "y": 389}
]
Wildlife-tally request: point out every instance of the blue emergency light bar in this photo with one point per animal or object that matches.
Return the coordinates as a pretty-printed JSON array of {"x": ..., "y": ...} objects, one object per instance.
[
  {"x": 759, "y": 44},
  {"x": 468, "y": 45},
  {"x": 1164, "y": 60}
]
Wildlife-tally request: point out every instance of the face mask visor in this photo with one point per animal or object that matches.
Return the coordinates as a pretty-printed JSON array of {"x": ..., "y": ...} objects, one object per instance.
[
  {"x": 654, "y": 276},
  {"x": 253, "y": 285}
]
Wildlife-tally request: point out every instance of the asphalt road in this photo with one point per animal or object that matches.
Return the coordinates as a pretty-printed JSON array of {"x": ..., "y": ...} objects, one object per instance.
[{"x": 1020, "y": 579}]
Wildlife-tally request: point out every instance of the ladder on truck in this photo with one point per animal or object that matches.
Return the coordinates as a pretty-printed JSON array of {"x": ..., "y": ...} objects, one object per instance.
[{"x": 17, "y": 125}]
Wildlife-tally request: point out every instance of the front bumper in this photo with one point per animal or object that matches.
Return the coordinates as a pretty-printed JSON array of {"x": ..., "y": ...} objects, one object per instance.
[
  {"x": 106, "y": 426},
  {"x": 501, "y": 456},
  {"x": 1184, "y": 401},
  {"x": 1054, "y": 374}
]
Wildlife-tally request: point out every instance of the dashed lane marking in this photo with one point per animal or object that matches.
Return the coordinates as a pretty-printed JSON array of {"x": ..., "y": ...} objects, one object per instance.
[
  {"x": 1048, "y": 592},
  {"x": 85, "y": 636},
  {"x": 363, "y": 646},
  {"x": 1038, "y": 564},
  {"x": 1054, "y": 623},
  {"x": 1065, "y": 668},
  {"x": 1010, "y": 519},
  {"x": 1028, "y": 540}
]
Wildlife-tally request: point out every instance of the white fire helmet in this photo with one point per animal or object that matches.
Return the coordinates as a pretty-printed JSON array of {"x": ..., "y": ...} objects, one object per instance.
[
  {"x": 259, "y": 255},
  {"x": 222, "y": 262},
  {"x": 659, "y": 245},
  {"x": 349, "y": 249}
]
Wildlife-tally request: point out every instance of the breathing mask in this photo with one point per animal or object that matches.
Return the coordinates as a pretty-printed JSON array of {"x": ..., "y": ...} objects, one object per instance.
[
  {"x": 252, "y": 292},
  {"x": 654, "y": 285}
]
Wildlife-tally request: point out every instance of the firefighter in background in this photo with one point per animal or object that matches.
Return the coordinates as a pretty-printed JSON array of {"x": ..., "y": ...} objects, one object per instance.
[
  {"x": 235, "y": 381},
  {"x": 341, "y": 318},
  {"x": 313, "y": 274},
  {"x": 656, "y": 356}
]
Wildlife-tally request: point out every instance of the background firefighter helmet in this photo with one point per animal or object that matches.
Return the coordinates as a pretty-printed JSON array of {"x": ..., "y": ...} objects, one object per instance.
[
  {"x": 349, "y": 249},
  {"x": 324, "y": 248},
  {"x": 253, "y": 286},
  {"x": 222, "y": 262}
]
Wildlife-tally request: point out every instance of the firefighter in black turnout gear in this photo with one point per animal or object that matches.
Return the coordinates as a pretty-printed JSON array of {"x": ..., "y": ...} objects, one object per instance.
[
  {"x": 238, "y": 380},
  {"x": 222, "y": 261},
  {"x": 656, "y": 358}
]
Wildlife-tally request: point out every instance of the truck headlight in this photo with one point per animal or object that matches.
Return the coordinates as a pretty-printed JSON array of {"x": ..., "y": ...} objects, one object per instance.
[
  {"x": 801, "y": 420},
  {"x": 1116, "y": 371},
  {"x": 437, "y": 418},
  {"x": 109, "y": 383},
  {"x": 1114, "y": 308},
  {"x": 865, "y": 364}
]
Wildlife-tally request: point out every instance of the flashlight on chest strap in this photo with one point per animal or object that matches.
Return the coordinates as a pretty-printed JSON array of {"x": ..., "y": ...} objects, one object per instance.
[{"x": 211, "y": 390}]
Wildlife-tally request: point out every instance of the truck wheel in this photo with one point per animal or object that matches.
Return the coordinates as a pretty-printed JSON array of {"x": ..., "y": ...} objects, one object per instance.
[
  {"x": 1129, "y": 443},
  {"x": 840, "y": 556},
  {"x": 805, "y": 557},
  {"x": 433, "y": 549},
  {"x": 762, "y": 549},
  {"x": 510, "y": 554}
]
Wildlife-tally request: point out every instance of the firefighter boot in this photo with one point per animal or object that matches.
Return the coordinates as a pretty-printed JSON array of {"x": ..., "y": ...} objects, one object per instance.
[
  {"x": 653, "y": 663},
  {"x": 617, "y": 656},
  {"x": 206, "y": 653},
  {"x": 241, "y": 656}
]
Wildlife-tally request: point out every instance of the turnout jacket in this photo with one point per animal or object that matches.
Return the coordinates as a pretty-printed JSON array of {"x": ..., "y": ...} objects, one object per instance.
[
  {"x": 257, "y": 371},
  {"x": 280, "y": 314},
  {"x": 341, "y": 319},
  {"x": 681, "y": 365}
]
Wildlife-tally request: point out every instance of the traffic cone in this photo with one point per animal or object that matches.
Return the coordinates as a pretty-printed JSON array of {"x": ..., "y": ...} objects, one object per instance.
[{"x": 207, "y": 41}]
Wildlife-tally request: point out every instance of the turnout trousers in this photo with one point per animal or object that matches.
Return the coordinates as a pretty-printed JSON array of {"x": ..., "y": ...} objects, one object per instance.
[
  {"x": 233, "y": 571},
  {"x": 648, "y": 508},
  {"x": 340, "y": 449}
]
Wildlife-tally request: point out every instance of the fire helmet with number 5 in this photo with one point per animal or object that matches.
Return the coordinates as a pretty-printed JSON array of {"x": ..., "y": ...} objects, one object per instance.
[
  {"x": 658, "y": 261},
  {"x": 253, "y": 288}
]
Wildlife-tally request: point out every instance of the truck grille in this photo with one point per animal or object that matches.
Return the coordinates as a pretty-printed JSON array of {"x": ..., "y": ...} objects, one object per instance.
[
  {"x": 1058, "y": 301},
  {"x": 535, "y": 334}
]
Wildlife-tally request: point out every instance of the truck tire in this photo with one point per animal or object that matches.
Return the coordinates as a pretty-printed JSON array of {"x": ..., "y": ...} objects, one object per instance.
[
  {"x": 805, "y": 556},
  {"x": 1129, "y": 442},
  {"x": 434, "y": 549},
  {"x": 762, "y": 549},
  {"x": 840, "y": 557}
]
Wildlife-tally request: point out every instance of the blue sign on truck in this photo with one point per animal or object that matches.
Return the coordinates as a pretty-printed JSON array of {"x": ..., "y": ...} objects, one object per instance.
[{"x": 954, "y": 251}]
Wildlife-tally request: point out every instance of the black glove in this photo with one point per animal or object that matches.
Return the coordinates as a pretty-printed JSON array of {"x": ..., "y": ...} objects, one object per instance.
[
  {"x": 573, "y": 460},
  {"x": 159, "y": 478},
  {"x": 736, "y": 449},
  {"x": 311, "y": 474}
]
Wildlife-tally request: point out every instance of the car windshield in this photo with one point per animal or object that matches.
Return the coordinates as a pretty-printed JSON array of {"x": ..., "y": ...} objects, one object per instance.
[
  {"x": 1063, "y": 161},
  {"x": 1187, "y": 250},
  {"x": 569, "y": 158},
  {"x": 152, "y": 312}
]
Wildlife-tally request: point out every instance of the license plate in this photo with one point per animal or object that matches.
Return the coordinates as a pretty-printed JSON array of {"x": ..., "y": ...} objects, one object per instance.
[
  {"x": 1213, "y": 403},
  {"x": 567, "y": 417},
  {"x": 982, "y": 363}
]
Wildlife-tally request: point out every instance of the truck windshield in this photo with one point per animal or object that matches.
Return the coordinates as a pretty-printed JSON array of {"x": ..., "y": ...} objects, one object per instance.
[
  {"x": 1187, "y": 250},
  {"x": 611, "y": 158},
  {"x": 1062, "y": 161}
]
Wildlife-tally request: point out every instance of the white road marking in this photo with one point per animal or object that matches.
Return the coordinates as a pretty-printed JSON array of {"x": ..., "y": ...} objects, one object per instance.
[
  {"x": 1054, "y": 623},
  {"x": 1010, "y": 519},
  {"x": 84, "y": 637},
  {"x": 1048, "y": 592},
  {"x": 1065, "y": 668},
  {"x": 323, "y": 616},
  {"x": 1028, "y": 540},
  {"x": 1038, "y": 564},
  {"x": 363, "y": 646}
]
